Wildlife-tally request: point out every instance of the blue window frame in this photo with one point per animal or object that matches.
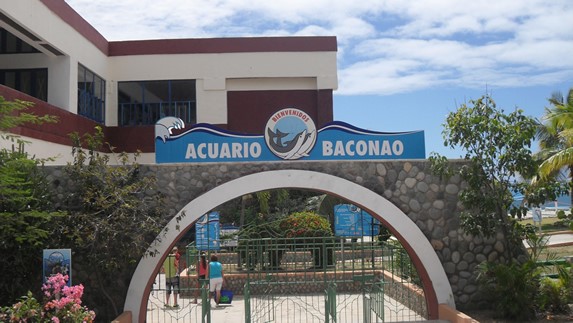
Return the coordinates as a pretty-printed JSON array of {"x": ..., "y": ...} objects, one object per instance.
[
  {"x": 145, "y": 102},
  {"x": 91, "y": 95}
]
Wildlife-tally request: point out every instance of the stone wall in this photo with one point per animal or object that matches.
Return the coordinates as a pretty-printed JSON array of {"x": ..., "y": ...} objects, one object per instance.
[{"x": 429, "y": 201}]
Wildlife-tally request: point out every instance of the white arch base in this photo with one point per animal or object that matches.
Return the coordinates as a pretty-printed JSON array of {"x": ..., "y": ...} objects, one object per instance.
[{"x": 412, "y": 235}]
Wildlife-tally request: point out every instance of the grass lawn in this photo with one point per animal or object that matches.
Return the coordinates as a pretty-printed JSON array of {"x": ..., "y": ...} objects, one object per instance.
[
  {"x": 560, "y": 252},
  {"x": 547, "y": 224}
]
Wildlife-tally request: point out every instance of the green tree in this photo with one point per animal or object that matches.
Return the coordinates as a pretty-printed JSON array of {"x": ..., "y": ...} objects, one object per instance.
[
  {"x": 17, "y": 113},
  {"x": 263, "y": 199},
  {"x": 26, "y": 217},
  {"x": 556, "y": 140},
  {"x": 267, "y": 205},
  {"x": 497, "y": 150},
  {"x": 115, "y": 213}
]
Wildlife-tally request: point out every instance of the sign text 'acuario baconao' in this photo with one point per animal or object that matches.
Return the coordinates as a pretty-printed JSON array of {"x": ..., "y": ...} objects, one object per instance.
[{"x": 290, "y": 134}]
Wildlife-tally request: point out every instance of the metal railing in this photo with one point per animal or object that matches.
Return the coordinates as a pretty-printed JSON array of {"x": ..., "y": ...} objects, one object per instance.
[
  {"x": 319, "y": 279},
  {"x": 135, "y": 114}
]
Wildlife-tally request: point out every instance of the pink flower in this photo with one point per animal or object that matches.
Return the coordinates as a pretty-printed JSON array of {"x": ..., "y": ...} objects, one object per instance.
[
  {"x": 61, "y": 303},
  {"x": 74, "y": 292}
]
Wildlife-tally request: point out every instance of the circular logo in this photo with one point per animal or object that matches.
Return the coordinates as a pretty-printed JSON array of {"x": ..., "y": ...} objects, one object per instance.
[{"x": 290, "y": 134}]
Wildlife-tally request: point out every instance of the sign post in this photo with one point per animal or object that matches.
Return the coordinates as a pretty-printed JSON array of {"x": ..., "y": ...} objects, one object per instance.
[{"x": 207, "y": 236}]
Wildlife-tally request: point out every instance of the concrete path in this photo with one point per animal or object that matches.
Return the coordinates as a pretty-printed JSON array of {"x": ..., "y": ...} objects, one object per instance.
[
  {"x": 564, "y": 238},
  {"x": 283, "y": 309}
]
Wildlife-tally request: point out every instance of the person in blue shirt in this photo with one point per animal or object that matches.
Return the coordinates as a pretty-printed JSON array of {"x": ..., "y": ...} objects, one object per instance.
[{"x": 216, "y": 278}]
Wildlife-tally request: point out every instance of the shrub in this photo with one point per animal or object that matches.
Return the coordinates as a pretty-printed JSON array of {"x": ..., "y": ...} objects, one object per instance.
[
  {"x": 553, "y": 296},
  {"x": 311, "y": 225},
  {"x": 62, "y": 303},
  {"x": 518, "y": 290},
  {"x": 306, "y": 224},
  {"x": 301, "y": 229},
  {"x": 511, "y": 288}
]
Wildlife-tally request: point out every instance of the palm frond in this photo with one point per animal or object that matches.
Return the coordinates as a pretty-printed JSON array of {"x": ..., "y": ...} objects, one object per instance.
[{"x": 556, "y": 162}]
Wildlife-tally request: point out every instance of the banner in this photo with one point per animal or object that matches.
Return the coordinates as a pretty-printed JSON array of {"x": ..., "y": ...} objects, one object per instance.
[{"x": 289, "y": 135}]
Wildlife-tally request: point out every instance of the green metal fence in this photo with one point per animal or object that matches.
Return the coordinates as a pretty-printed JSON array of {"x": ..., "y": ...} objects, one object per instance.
[
  {"x": 325, "y": 279},
  {"x": 318, "y": 279}
]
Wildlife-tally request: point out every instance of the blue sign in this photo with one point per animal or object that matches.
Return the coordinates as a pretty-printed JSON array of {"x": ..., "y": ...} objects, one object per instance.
[
  {"x": 207, "y": 232},
  {"x": 351, "y": 221},
  {"x": 57, "y": 261},
  {"x": 290, "y": 134}
]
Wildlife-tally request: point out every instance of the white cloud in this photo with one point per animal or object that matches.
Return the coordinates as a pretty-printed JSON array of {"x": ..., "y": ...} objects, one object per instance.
[
  {"x": 384, "y": 46},
  {"x": 388, "y": 76},
  {"x": 441, "y": 18}
]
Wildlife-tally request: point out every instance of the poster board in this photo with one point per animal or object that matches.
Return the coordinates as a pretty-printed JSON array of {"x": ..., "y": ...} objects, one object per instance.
[
  {"x": 352, "y": 221},
  {"x": 57, "y": 261},
  {"x": 208, "y": 231}
]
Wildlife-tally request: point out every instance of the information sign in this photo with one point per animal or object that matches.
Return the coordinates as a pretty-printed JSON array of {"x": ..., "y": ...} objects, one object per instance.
[
  {"x": 57, "y": 261},
  {"x": 208, "y": 232},
  {"x": 351, "y": 221}
]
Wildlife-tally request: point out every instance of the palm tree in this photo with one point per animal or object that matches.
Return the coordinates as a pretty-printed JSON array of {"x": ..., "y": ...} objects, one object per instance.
[{"x": 556, "y": 139}]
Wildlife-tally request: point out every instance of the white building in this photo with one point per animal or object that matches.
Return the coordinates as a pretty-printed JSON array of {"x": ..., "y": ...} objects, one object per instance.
[{"x": 51, "y": 56}]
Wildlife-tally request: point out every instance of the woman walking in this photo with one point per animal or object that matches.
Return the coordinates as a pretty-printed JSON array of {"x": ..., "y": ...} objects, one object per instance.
[
  {"x": 201, "y": 273},
  {"x": 216, "y": 278}
]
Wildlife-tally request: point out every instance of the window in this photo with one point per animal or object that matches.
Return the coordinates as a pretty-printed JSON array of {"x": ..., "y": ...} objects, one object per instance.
[
  {"x": 10, "y": 44},
  {"x": 91, "y": 95},
  {"x": 145, "y": 102},
  {"x": 33, "y": 82}
]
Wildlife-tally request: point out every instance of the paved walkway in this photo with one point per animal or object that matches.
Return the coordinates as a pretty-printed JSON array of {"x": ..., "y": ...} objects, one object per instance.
[
  {"x": 565, "y": 238},
  {"x": 294, "y": 308},
  {"x": 555, "y": 239},
  {"x": 283, "y": 309}
]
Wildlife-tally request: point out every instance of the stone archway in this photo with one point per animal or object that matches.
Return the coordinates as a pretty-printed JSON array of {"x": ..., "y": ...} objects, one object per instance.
[{"x": 434, "y": 279}]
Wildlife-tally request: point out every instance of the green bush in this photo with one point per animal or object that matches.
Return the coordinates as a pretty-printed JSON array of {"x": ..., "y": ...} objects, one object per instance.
[
  {"x": 553, "y": 296},
  {"x": 311, "y": 225},
  {"x": 518, "y": 291},
  {"x": 403, "y": 265},
  {"x": 305, "y": 224},
  {"x": 301, "y": 229},
  {"x": 511, "y": 288}
]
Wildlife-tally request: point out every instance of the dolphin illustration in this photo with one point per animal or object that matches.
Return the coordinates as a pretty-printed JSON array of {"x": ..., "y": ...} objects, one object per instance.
[
  {"x": 300, "y": 139},
  {"x": 306, "y": 146},
  {"x": 164, "y": 127},
  {"x": 279, "y": 146}
]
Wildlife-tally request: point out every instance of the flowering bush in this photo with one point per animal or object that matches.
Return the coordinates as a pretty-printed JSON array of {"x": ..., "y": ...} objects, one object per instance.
[
  {"x": 317, "y": 233},
  {"x": 62, "y": 303},
  {"x": 306, "y": 224}
]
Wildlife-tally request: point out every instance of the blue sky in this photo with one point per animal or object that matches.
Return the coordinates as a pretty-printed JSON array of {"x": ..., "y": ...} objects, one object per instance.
[{"x": 402, "y": 65}]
